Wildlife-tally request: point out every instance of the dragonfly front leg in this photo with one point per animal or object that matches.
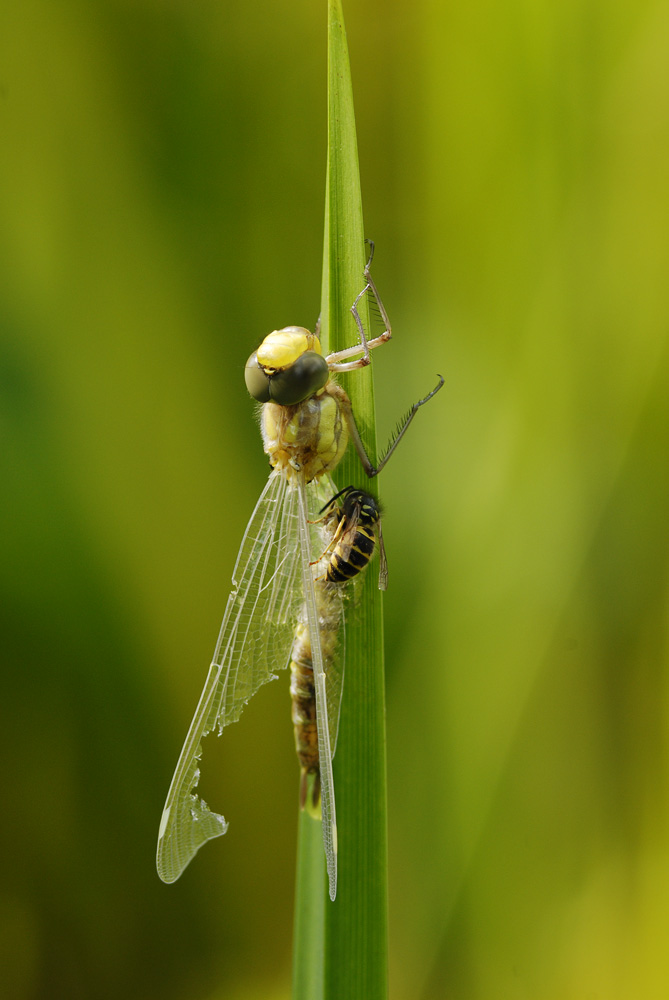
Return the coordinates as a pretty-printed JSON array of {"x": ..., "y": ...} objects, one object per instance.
[{"x": 337, "y": 361}]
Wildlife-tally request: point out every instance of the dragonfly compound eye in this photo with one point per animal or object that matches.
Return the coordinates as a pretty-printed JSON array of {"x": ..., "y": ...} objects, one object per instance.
[
  {"x": 257, "y": 382},
  {"x": 290, "y": 385},
  {"x": 302, "y": 379}
]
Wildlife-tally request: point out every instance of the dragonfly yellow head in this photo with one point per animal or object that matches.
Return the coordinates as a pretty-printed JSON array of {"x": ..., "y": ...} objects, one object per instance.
[{"x": 287, "y": 368}]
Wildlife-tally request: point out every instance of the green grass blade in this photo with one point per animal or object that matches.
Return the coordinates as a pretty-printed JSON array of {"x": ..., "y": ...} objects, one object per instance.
[
  {"x": 310, "y": 896},
  {"x": 347, "y": 941},
  {"x": 356, "y": 923}
]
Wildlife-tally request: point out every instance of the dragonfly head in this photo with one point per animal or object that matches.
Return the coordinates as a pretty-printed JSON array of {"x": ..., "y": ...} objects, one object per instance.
[{"x": 287, "y": 368}]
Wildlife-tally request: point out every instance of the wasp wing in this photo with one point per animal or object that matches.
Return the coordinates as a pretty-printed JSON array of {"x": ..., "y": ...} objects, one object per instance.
[
  {"x": 255, "y": 639},
  {"x": 349, "y": 527}
]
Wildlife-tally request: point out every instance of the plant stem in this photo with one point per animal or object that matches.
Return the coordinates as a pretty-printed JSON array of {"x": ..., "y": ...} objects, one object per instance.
[{"x": 355, "y": 947}]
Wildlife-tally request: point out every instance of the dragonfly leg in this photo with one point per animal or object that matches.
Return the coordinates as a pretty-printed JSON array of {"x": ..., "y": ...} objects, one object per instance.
[
  {"x": 337, "y": 362},
  {"x": 354, "y": 433}
]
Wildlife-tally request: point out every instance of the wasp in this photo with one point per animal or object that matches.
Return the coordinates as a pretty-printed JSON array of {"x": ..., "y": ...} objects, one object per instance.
[{"x": 357, "y": 525}]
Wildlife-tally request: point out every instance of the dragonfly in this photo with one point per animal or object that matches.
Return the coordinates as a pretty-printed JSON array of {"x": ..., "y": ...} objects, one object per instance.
[{"x": 280, "y": 609}]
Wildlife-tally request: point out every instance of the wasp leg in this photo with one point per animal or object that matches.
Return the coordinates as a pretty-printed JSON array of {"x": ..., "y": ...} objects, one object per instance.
[
  {"x": 383, "y": 562},
  {"x": 332, "y": 544}
]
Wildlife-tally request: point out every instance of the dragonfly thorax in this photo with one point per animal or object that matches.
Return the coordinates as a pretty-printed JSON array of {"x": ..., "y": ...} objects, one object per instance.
[{"x": 310, "y": 437}]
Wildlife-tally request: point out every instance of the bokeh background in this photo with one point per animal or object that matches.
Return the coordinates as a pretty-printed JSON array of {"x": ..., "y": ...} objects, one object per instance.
[{"x": 161, "y": 197}]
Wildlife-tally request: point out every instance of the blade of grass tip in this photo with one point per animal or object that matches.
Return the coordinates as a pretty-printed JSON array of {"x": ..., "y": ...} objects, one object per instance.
[{"x": 356, "y": 937}]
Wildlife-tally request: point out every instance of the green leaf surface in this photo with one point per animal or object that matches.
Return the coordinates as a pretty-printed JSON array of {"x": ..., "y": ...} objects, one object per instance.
[{"x": 310, "y": 899}]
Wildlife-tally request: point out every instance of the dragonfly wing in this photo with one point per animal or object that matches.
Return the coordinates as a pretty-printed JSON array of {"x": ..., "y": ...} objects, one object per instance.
[
  {"x": 334, "y": 674},
  {"x": 255, "y": 639}
]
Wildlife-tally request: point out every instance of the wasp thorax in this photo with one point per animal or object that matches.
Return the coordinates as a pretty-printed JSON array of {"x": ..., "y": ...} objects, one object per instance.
[{"x": 287, "y": 368}]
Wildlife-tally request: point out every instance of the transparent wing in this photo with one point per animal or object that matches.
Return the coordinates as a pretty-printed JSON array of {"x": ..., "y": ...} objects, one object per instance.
[
  {"x": 334, "y": 670},
  {"x": 255, "y": 640}
]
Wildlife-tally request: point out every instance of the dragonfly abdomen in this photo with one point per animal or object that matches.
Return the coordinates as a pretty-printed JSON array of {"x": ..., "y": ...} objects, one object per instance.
[
  {"x": 304, "y": 708},
  {"x": 302, "y": 690}
]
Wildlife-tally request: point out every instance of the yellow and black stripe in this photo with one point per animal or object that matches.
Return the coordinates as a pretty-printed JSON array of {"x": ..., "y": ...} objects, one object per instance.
[{"x": 355, "y": 535}]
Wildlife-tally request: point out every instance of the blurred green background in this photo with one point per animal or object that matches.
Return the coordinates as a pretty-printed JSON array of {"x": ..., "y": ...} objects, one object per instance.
[{"x": 161, "y": 198}]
